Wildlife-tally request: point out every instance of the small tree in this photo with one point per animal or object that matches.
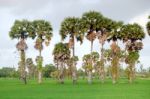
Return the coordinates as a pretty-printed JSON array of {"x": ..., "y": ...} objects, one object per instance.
[{"x": 61, "y": 53}]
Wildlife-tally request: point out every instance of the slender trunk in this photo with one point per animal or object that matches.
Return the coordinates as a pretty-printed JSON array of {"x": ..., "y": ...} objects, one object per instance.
[
  {"x": 115, "y": 63},
  {"x": 90, "y": 77},
  {"x": 74, "y": 74},
  {"x": 40, "y": 77},
  {"x": 91, "y": 63},
  {"x": 61, "y": 75},
  {"x": 91, "y": 46},
  {"x": 40, "y": 68},
  {"x": 23, "y": 67},
  {"x": 131, "y": 72},
  {"x": 102, "y": 65}
]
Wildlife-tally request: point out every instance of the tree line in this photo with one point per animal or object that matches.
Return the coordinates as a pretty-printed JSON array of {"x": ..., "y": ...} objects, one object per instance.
[{"x": 91, "y": 25}]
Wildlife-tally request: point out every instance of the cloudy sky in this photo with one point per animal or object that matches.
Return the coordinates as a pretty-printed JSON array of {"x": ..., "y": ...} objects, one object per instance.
[{"x": 55, "y": 11}]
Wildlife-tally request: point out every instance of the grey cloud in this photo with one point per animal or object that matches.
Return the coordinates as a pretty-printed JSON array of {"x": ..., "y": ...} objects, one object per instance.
[{"x": 55, "y": 11}]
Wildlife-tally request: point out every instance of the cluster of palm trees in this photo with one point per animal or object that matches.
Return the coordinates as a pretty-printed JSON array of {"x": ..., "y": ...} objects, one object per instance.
[
  {"x": 40, "y": 30},
  {"x": 92, "y": 25}
]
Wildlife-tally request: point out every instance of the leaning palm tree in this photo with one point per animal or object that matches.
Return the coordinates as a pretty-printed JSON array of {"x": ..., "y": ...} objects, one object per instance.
[
  {"x": 43, "y": 32},
  {"x": 148, "y": 26},
  {"x": 20, "y": 30},
  {"x": 71, "y": 27},
  {"x": 61, "y": 53},
  {"x": 132, "y": 35}
]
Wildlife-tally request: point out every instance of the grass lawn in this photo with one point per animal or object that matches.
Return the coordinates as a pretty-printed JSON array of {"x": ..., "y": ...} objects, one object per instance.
[{"x": 49, "y": 89}]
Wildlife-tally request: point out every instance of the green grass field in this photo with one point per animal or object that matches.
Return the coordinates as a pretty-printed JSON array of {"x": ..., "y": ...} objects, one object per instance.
[{"x": 50, "y": 89}]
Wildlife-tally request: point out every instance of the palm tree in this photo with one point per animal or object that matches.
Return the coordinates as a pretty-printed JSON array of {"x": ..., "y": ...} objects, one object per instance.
[
  {"x": 94, "y": 25},
  {"x": 103, "y": 31},
  {"x": 43, "y": 33},
  {"x": 148, "y": 26},
  {"x": 71, "y": 27},
  {"x": 132, "y": 35},
  {"x": 90, "y": 23},
  {"x": 114, "y": 35},
  {"x": 20, "y": 30},
  {"x": 61, "y": 53}
]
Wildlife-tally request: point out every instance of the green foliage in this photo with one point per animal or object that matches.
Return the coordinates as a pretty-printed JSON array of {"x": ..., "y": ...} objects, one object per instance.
[
  {"x": 39, "y": 60},
  {"x": 132, "y": 32},
  {"x": 132, "y": 57},
  {"x": 91, "y": 21},
  {"x": 20, "y": 29},
  {"x": 148, "y": 26},
  {"x": 43, "y": 28},
  {"x": 48, "y": 69},
  {"x": 94, "y": 56},
  {"x": 71, "y": 27},
  {"x": 8, "y": 72},
  {"x": 61, "y": 51}
]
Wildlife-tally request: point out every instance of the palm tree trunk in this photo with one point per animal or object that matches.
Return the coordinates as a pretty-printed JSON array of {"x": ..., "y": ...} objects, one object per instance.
[
  {"x": 90, "y": 77},
  {"x": 40, "y": 68},
  {"x": 102, "y": 65},
  {"x": 74, "y": 74},
  {"x": 61, "y": 75},
  {"x": 91, "y": 46},
  {"x": 115, "y": 64},
  {"x": 23, "y": 67},
  {"x": 131, "y": 75}
]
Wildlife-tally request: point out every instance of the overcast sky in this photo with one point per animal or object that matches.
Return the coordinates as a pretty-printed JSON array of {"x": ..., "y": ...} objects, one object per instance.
[{"x": 55, "y": 11}]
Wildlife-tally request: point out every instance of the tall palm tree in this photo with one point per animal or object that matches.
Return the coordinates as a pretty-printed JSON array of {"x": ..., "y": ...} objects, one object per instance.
[
  {"x": 94, "y": 25},
  {"x": 71, "y": 27},
  {"x": 114, "y": 36},
  {"x": 132, "y": 35},
  {"x": 43, "y": 34},
  {"x": 90, "y": 23},
  {"x": 61, "y": 53},
  {"x": 148, "y": 26},
  {"x": 20, "y": 30},
  {"x": 103, "y": 31}
]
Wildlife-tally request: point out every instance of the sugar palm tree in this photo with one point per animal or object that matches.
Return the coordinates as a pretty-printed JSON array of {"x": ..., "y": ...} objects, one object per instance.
[
  {"x": 43, "y": 33},
  {"x": 61, "y": 53},
  {"x": 103, "y": 31},
  {"x": 94, "y": 25},
  {"x": 90, "y": 23},
  {"x": 148, "y": 26},
  {"x": 20, "y": 30},
  {"x": 132, "y": 35},
  {"x": 114, "y": 35},
  {"x": 71, "y": 27}
]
